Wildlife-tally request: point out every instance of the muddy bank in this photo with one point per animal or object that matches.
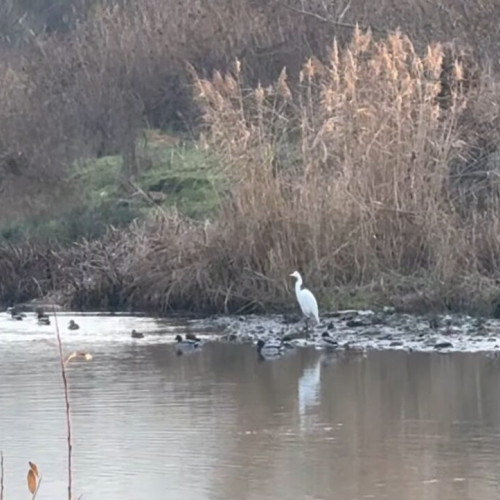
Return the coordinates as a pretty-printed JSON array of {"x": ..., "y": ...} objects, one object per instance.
[{"x": 368, "y": 330}]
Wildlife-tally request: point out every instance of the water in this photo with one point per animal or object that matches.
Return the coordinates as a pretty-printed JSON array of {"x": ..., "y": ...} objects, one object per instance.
[{"x": 220, "y": 424}]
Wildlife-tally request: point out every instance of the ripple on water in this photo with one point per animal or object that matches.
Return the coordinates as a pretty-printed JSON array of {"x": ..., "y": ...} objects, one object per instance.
[{"x": 222, "y": 425}]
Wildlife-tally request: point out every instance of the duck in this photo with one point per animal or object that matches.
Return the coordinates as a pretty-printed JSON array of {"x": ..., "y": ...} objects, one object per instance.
[
  {"x": 43, "y": 319},
  {"x": 189, "y": 341},
  {"x": 186, "y": 345},
  {"x": 72, "y": 325},
  {"x": 137, "y": 335},
  {"x": 15, "y": 314},
  {"x": 271, "y": 348},
  {"x": 328, "y": 342}
]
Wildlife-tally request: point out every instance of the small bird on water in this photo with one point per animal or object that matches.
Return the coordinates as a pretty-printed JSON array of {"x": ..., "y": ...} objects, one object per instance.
[
  {"x": 72, "y": 325},
  {"x": 137, "y": 335},
  {"x": 15, "y": 314},
  {"x": 43, "y": 319}
]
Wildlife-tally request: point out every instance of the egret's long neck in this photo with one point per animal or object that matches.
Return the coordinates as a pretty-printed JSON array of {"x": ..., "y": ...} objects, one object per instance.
[{"x": 298, "y": 284}]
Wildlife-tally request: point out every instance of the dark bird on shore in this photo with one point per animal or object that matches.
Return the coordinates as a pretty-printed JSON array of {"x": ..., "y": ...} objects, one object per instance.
[
  {"x": 434, "y": 323},
  {"x": 137, "y": 335},
  {"x": 328, "y": 342},
  {"x": 72, "y": 325}
]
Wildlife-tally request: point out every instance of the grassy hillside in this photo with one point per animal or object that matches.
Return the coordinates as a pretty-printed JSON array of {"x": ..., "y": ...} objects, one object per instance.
[{"x": 172, "y": 175}]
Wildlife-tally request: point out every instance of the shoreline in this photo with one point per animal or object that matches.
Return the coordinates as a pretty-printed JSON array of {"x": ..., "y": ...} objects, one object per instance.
[
  {"x": 355, "y": 331},
  {"x": 366, "y": 330}
]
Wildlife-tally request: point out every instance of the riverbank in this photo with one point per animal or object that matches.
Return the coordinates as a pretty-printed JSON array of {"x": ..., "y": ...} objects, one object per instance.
[
  {"x": 360, "y": 331},
  {"x": 351, "y": 332}
]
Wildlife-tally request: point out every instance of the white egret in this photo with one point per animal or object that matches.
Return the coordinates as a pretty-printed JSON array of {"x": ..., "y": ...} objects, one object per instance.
[{"x": 306, "y": 299}]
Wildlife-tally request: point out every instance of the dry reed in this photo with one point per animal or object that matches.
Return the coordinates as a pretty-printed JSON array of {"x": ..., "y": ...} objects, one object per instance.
[
  {"x": 354, "y": 175},
  {"x": 347, "y": 176},
  {"x": 2, "y": 472}
]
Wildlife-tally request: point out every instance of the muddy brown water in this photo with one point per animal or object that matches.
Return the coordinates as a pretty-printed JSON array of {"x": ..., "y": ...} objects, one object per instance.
[{"x": 221, "y": 424}]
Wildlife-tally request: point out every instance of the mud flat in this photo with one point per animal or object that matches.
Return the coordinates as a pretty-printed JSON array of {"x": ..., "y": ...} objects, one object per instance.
[{"x": 369, "y": 330}]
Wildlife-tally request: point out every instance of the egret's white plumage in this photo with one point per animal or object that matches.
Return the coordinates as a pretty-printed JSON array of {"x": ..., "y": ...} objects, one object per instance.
[{"x": 306, "y": 299}]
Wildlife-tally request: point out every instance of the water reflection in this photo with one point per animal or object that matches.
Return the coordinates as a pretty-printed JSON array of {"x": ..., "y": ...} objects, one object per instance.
[
  {"x": 309, "y": 387},
  {"x": 223, "y": 425}
]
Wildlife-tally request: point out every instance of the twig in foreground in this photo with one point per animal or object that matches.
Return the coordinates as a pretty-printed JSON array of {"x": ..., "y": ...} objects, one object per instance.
[
  {"x": 1, "y": 475},
  {"x": 66, "y": 399}
]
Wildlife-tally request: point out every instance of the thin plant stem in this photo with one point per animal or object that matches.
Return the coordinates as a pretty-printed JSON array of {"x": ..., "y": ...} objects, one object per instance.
[
  {"x": 39, "y": 482},
  {"x": 68, "y": 417},
  {"x": 1, "y": 475}
]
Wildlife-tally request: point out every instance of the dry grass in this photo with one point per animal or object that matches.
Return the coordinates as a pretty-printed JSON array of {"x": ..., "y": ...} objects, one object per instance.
[
  {"x": 347, "y": 177},
  {"x": 365, "y": 173},
  {"x": 90, "y": 74}
]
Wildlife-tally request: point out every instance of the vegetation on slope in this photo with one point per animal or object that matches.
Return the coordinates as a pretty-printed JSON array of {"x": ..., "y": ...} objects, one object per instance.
[
  {"x": 369, "y": 163},
  {"x": 96, "y": 194}
]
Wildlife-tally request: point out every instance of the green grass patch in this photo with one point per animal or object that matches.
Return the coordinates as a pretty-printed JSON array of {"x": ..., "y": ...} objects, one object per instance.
[{"x": 170, "y": 175}]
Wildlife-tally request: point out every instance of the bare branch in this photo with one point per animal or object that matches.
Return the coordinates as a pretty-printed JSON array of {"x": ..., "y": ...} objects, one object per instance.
[{"x": 333, "y": 22}]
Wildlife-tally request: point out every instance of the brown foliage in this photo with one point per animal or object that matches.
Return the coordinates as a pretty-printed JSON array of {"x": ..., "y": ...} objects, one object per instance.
[
  {"x": 124, "y": 65},
  {"x": 353, "y": 176},
  {"x": 378, "y": 155}
]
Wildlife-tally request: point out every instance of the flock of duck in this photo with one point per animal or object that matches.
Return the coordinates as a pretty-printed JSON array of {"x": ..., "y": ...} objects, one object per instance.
[
  {"x": 42, "y": 317},
  {"x": 272, "y": 347},
  {"x": 189, "y": 343}
]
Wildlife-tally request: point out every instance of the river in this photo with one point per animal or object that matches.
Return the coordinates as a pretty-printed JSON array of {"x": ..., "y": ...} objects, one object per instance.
[{"x": 222, "y": 424}]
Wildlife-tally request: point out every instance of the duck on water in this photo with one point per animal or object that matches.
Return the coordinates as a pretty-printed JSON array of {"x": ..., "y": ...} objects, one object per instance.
[
  {"x": 15, "y": 314},
  {"x": 137, "y": 335},
  {"x": 189, "y": 344},
  {"x": 273, "y": 348},
  {"x": 43, "y": 318}
]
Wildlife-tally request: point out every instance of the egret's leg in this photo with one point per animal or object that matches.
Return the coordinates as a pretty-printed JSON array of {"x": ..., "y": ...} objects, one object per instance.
[{"x": 307, "y": 327}]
